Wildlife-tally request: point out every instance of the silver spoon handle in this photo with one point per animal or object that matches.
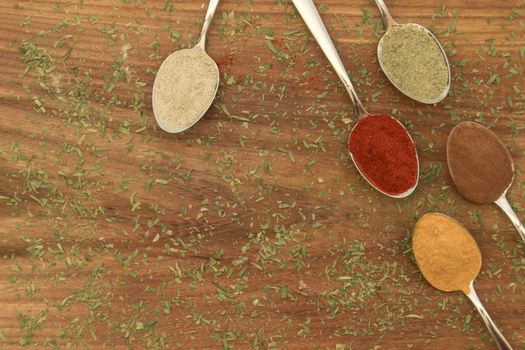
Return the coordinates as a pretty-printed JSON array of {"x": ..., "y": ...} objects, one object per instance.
[
  {"x": 499, "y": 339},
  {"x": 212, "y": 7},
  {"x": 504, "y": 204},
  {"x": 387, "y": 17},
  {"x": 313, "y": 20}
]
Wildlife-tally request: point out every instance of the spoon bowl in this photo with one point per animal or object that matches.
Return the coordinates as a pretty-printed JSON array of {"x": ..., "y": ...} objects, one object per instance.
[
  {"x": 390, "y": 25},
  {"x": 164, "y": 70},
  {"x": 410, "y": 147},
  {"x": 445, "y": 91},
  {"x": 311, "y": 17},
  {"x": 206, "y": 104}
]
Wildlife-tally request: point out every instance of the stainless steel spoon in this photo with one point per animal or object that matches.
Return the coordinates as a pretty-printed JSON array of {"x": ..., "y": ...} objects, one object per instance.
[
  {"x": 311, "y": 17},
  {"x": 498, "y": 337},
  {"x": 481, "y": 139},
  {"x": 420, "y": 238},
  {"x": 504, "y": 204},
  {"x": 389, "y": 24},
  {"x": 212, "y": 7}
]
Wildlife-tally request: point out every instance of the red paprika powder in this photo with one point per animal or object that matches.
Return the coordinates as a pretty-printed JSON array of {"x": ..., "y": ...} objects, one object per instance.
[{"x": 384, "y": 153}]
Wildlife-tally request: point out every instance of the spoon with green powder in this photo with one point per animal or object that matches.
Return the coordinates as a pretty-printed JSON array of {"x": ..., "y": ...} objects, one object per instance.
[
  {"x": 380, "y": 146},
  {"x": 186, "y": 84},
  {"x": 413, "y": 60}
]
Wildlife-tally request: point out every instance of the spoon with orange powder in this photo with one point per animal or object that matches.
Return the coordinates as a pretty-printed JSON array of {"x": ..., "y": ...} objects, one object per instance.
[{"x": 450, "y": 260}]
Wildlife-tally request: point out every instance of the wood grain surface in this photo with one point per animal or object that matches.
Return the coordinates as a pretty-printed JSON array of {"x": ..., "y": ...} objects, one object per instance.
[{"x": 253, "y": 230}]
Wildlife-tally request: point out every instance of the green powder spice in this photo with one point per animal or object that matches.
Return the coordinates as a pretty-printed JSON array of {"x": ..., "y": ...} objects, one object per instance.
[{"x": 413, "y": 61}]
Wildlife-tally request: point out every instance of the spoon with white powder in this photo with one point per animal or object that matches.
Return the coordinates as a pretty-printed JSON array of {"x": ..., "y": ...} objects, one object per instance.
[{"x": 186, "y": 84}]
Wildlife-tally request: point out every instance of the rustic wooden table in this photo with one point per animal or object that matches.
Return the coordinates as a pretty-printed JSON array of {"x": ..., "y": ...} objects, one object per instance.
[{"x": 253, "y": 229}]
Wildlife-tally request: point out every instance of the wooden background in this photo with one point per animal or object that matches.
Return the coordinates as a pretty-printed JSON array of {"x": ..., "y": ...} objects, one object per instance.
[{"x": 252, "y": 230}]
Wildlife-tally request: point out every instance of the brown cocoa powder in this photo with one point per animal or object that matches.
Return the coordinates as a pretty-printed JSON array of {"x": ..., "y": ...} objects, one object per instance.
[{"x": 479, "y": 163}]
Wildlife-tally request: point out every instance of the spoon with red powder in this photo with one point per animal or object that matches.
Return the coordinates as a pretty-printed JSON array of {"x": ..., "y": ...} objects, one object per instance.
[{"x": 380, "y": 146}]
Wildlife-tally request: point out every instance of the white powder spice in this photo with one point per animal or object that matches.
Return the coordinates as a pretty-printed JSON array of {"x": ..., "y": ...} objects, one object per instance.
[{"x": 184, "y": 88}]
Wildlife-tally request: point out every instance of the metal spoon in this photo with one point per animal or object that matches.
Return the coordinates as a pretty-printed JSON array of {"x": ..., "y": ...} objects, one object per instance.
[
  {"x": 499, "y": 339},
  {"x": 389, "y": 24},
  {"x": 314, "y": 22},
  {"x": 212, "y": 7},
  {"x": 506, "y": 182},
  {"x": 504, "y": 204}
]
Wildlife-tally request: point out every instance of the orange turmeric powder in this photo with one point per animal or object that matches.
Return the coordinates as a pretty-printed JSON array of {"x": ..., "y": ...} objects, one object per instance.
[{"x": 446, "y": 253}]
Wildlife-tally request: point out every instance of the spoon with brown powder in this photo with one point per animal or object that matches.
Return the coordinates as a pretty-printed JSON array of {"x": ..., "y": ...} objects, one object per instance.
[
  {"x": 481, "y": 167},
  {"x": 450, "y": 260}
]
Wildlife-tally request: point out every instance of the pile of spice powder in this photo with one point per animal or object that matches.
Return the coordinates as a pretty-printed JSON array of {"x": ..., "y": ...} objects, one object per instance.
[
  {"x": 479, "y": 163},
  {"x": 385, "y": 154},
  {"x": 446, "y": 253},
  {"x": 413, "y": 61},
  {"x": 185, "y": 86}
]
